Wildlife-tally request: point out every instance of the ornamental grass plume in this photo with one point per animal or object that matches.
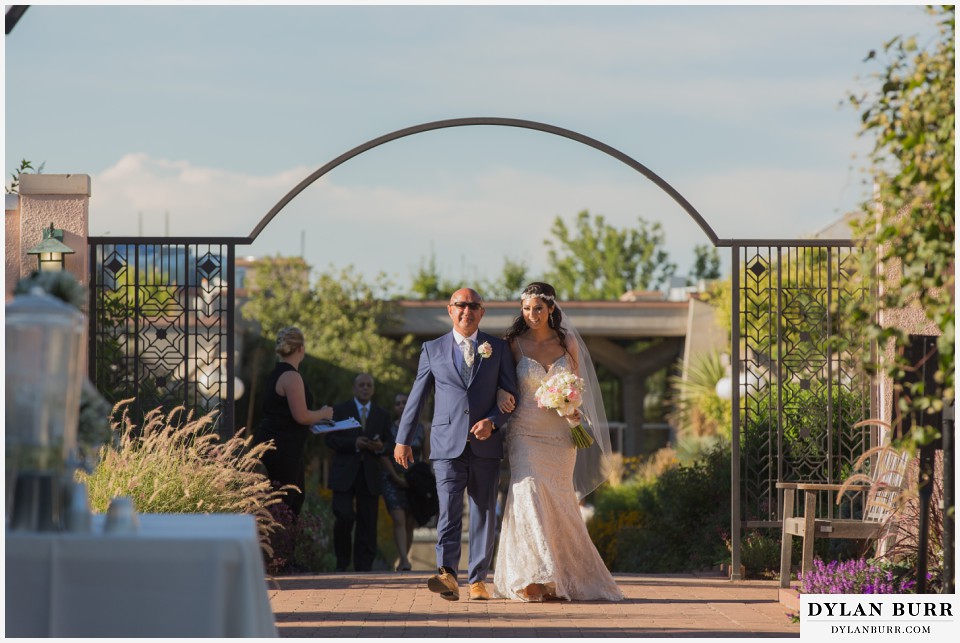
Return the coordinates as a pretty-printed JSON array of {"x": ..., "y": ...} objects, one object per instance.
[
  {"x": 858, "y": 576},
  {"x": 174, "y": 463},
  {"x": 886, "y": 483}
]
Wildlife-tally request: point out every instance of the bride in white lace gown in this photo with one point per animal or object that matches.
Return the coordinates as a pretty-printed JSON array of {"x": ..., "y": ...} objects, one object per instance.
[{"x": 545, "y": 551}]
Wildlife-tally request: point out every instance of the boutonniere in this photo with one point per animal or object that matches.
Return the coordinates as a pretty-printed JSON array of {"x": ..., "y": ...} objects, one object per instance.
[{"x": 485, "y": 350}]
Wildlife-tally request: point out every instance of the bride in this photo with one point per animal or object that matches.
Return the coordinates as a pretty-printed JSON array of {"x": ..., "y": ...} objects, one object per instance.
[{"x": 545, "y": 552}]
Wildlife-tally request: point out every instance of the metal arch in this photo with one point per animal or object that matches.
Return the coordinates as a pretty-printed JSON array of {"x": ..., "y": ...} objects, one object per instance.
[{"x": 505, "y": 122}]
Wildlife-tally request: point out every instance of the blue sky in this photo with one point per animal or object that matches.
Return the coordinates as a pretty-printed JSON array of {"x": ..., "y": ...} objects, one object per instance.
[{"x": 196, "y": 120}]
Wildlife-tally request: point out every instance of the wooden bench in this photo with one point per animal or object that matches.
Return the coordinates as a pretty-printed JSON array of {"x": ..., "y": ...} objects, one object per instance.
[{"x": 882, "y": 489}]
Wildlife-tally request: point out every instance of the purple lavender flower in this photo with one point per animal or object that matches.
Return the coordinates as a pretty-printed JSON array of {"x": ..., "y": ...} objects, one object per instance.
[{"x": 854, "y": 577}]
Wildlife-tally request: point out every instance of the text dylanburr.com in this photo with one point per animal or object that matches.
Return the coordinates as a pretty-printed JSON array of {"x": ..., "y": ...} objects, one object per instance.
[{"x": 849, "y": 617}]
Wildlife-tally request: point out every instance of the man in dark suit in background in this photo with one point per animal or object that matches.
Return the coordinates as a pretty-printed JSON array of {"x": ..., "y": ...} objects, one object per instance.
[{"x": 355, "y": 475}]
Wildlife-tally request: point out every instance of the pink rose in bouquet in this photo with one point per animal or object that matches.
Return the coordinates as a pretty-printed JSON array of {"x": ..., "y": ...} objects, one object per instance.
[{"x": 563, "y": 393}]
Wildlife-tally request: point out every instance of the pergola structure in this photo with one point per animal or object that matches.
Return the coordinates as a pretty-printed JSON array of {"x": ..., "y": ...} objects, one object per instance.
[{"x": 162, "y": 330}]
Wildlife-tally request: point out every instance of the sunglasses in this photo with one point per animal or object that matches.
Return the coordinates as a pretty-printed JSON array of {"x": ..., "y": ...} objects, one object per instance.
[{"x": 467, "y": 304}]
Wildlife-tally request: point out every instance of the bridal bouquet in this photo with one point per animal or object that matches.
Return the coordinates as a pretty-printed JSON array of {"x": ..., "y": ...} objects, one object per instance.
[{"x": 563, "y": 392}]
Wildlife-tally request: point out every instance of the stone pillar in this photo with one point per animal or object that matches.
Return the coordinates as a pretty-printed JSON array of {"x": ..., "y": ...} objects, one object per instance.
[
  {"x": 634, "y": 390},
  {"x": 11, "y": 239},
  {"x": 911, "y": 319},
  {"x": 64, "y": 201},
  {"x": 704, "y": 334}
]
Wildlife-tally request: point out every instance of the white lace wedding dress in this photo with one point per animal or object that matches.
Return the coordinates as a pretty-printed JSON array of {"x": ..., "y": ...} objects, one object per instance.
[{"x": 543, "y": 538}]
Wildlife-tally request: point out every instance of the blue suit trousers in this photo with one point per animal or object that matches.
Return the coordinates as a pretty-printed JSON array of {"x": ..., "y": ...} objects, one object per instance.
[{"x": 480, "y": 478}]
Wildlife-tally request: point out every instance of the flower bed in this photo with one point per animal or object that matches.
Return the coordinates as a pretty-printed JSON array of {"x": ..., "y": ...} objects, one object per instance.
[{"x": 858, "y": 576}]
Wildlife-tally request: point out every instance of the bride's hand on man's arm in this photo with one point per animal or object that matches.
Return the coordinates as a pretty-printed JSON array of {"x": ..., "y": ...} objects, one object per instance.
[{"x": 505, "y": 401}]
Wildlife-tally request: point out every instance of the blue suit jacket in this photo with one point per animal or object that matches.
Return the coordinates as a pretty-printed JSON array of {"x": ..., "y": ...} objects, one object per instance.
[{"x": 457, "y": 407}]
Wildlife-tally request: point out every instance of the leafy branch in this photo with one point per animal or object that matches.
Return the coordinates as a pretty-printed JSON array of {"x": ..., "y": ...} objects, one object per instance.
[{"x": 25, "y": 165}]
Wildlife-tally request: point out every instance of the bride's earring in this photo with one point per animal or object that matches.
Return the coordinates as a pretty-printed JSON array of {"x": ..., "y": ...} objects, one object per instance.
[{"x": 550, "y": 321}]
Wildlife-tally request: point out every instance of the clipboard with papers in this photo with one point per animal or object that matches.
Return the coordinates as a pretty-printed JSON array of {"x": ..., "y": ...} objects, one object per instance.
[{"x": 349, "y": 423}]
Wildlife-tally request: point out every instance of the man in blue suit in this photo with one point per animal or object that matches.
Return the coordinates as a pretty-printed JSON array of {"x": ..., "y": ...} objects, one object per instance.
[{"x": 463, "y": 369}]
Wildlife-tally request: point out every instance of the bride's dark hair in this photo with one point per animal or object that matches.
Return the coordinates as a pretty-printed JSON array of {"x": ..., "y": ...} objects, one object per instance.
[{"x": 546, "y": 293}]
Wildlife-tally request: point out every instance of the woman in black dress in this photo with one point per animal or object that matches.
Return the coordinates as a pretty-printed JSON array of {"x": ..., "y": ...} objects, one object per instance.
[{"x": 287, "y": 417}]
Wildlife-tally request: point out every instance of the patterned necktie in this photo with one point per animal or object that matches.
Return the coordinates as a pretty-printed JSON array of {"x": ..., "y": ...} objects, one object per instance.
[
  {"x": 468, "y": 354},
  {"x": 363, "y": 417}
]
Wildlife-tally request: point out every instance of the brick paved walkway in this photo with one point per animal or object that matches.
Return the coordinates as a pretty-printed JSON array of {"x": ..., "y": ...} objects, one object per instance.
[{"x": 379, "y": 604}]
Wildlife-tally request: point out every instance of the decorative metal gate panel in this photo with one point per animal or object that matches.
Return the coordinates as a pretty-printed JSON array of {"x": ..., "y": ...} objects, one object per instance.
[
  {"x": 162, "y": 323},
  {"x": 797, "y": 359}
]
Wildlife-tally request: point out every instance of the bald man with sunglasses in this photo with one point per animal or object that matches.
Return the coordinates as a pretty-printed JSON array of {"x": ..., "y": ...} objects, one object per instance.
[{"x": 463, "y": 370}]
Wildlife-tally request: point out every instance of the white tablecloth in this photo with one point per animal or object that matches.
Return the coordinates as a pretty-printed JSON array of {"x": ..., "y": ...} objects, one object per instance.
[{"x": 181, "y": 575}]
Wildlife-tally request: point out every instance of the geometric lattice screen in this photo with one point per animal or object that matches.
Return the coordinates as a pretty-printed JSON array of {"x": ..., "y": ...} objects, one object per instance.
[
  {"x": 800, "y": 394},
  {"x": 161, "y": 323}
]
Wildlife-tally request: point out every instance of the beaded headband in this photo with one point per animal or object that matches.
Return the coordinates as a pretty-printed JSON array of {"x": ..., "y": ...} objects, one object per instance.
[{"x": 543, "y": 296}]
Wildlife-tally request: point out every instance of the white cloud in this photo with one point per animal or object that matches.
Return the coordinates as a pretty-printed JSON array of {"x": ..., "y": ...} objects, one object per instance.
[{"x": 199, "y": 200}]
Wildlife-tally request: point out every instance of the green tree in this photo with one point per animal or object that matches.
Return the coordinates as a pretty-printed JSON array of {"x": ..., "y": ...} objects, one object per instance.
[
  {"x": 595, "y": 260},
  {"x": 428, "y": 284},
  {"x": 911, "y": 117},
  {"x": 513, "y": 278},
  {"x": 706, "y": 263},
  {"x": 281, "y": 295},
  {"x": 341, "y": 315}
]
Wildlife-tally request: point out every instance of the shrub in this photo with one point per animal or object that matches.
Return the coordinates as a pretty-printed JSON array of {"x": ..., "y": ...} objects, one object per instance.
[
  {"x": 176, "y": 464},
  {"x": 282, "y": 541},
  {"x": 813, "y": 442},
  {"x": 606, "y": 534},
  {"x": 805, "y": 427},
  {"x": 672, "y": 523},
  {"x": 314, "y": 541},
  {"x": 760, "y": 554},
  {"x": 303, "y": 544},
  {"x": 858, "y": 576}
]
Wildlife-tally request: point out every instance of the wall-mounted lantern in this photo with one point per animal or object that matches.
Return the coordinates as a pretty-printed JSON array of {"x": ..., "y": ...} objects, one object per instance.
[{"x": 51, "y": 250}]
